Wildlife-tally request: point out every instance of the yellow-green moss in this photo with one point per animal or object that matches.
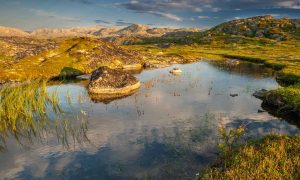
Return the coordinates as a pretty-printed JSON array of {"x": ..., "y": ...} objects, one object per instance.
[{"x": 273, "y": 157}]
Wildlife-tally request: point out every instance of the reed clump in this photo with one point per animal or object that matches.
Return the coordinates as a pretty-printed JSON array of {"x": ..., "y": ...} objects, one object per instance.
[{"x": 26, "y": 108}]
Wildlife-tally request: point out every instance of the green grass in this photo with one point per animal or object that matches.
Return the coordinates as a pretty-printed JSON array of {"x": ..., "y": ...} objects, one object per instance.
[
  {"x": 23, "y": 109},
  {"x": 273, "y": 157},
  {"x": 28, "y": 111},
  {"x": 20, "y": 106},
  {"x": 289, "y": 95}
]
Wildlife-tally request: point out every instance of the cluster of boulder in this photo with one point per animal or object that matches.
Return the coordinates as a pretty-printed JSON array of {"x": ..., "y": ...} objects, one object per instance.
[{"x": 260, "y": 26}]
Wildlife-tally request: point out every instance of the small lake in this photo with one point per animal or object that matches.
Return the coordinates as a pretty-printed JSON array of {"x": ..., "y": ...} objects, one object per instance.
[{"x": 167, "y": 130}]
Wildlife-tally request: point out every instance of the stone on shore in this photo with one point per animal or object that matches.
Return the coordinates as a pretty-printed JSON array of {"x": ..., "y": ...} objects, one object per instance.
[{"x": 106, "y": 83}]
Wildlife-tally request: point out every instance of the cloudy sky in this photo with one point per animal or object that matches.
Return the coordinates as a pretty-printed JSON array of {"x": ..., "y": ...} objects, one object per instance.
[{"x": 32, "y": 14}]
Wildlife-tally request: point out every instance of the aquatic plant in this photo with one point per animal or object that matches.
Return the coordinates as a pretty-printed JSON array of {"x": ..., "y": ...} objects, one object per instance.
[
  {"x": 29, "y": 111},
  {"x": 228, "y": 141}
]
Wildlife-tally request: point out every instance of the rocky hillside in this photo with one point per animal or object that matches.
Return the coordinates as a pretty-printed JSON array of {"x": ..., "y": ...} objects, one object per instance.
[
  {"x": 106, "y": 32},
  {"x": 51, "y": 58},
  {"x": 132, "y": 30},
  {"x": 250, "y": 30},
  {"x": 260, "y": 26},
  {"x": 21, "y": 47}
]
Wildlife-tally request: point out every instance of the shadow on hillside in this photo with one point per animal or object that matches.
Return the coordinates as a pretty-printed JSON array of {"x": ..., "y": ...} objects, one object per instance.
[{"x": 68, "y": 73}]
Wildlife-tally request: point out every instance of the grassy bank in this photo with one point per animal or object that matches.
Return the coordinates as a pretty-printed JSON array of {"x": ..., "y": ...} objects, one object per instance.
[
  {"x": 284, "y": 102},
  {"x": 284, "y": 57},
  {"x": 273, "y": 157}
]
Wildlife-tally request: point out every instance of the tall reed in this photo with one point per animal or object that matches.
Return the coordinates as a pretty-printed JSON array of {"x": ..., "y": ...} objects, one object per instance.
[{"x": 29, "y": 111}]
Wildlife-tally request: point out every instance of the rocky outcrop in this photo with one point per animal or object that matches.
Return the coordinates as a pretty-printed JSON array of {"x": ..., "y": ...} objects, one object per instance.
[
  {"x": 260, "y": 94},
  {"x": 259, "y": 26},
  {"x": 106, "y": 84},
  {"x": 277, "y": 104}
]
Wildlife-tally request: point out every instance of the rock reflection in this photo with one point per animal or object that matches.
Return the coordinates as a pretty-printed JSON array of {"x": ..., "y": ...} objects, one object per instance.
[{"x": 244, "y": 68}]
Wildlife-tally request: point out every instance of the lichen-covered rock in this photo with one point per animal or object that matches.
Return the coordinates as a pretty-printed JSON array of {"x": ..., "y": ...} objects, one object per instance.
[{"x": 106, "y": 83}]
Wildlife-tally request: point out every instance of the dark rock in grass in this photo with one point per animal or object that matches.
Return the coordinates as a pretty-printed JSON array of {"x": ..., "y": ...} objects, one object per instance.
[
  {"x": 279, "y": 105},
  {"x": 260, "y": 94},
  {"x": 147, "y": 65},
  {"x": 106, "y": 83}
]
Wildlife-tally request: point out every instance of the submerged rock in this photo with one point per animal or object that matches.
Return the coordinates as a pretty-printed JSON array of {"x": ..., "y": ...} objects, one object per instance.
[
  {"x": 176, "y": 71},
  {"x": 132, "y": 67},
  {"x": 106, "y": 83}
]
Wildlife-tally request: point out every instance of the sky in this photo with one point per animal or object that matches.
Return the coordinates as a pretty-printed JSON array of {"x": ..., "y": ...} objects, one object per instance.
[{"x": 33, "y": 14}]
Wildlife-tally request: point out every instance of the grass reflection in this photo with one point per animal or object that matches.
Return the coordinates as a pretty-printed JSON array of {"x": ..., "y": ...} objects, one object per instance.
[{"x": 28, "y": 112}]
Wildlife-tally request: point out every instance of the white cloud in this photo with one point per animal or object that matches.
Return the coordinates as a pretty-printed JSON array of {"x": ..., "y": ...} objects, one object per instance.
[
  {"x": 289, "y": 4},
  {"x": 43, "y": 13},
  {"x": 166, "y": 15},
  {"x": 204, "y": 17}
]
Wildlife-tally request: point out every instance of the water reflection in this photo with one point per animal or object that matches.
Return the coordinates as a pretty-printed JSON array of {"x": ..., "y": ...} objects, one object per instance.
[
  {"x": 244, "y": 68},
  {"x": 167, "y": 130}
]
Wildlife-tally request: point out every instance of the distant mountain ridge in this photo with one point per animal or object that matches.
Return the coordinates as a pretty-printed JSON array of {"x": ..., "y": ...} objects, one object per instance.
[
  {"x": 258, "y": 27},
  {"x": 132, "y": 30}
]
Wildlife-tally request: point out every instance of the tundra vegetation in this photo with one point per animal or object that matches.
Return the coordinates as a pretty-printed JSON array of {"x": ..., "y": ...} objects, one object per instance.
[{"x": 272, "y": 157}]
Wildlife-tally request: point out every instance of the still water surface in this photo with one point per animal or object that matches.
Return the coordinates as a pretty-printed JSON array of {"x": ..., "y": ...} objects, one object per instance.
[{"x": 167, "y": 130}]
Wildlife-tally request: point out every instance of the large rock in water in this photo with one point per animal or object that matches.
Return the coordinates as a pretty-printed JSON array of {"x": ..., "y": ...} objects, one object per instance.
[{"x": 107, "y": 84}]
